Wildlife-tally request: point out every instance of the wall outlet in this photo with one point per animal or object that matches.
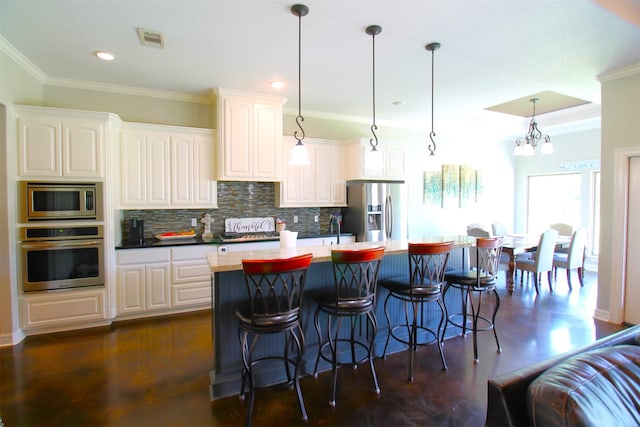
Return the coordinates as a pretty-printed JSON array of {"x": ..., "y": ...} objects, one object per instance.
[
  {"x": 223, "y": 249},
  {"x": 295, "y": 219},
  {"x": 194, "y": 222},
  {"x": 316, "y": 218}
]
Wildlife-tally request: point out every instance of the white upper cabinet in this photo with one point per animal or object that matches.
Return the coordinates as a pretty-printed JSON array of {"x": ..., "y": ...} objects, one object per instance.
[
  {"x": 250, "y": 136},
  {"x": 320, "y": 184},
  {"x": 58, "y": 143},
  {"x": 391, "y": 168},
  {"x": 167, "y": 167}
]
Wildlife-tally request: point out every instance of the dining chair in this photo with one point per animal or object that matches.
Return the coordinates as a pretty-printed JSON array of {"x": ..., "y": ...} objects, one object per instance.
[
  {"x": 476, "y": 230},
  {"x": 562, "y": 229},
  {"x": 543, "y": 260},
  {"x": 274, "y": 304},
  {"x": 474, "y": 282},
  {"x": 422, "y": 284},
  {"x": 499, "y": 229},
  {"x": 574, "y": 257},
  {"x": 352, "y": 297}
]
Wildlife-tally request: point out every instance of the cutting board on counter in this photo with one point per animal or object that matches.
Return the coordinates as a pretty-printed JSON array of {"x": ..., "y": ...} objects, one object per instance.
[{"x": 249, "y": 225}]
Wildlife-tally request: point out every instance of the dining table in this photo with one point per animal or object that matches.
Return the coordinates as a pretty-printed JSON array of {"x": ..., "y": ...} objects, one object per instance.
[{"x": 516, "y": 244}]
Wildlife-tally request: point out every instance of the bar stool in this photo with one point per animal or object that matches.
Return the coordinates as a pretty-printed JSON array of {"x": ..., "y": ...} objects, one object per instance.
[
  {"x": 422, "y": 284},
  {"x": 353, "y": 295},
  {"x": 275, "y": 289},
  {"x": 478, "y": 280}
]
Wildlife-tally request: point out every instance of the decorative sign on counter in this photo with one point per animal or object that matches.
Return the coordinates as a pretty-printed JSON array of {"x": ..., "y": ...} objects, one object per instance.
[{"x": 249, "y": 225}]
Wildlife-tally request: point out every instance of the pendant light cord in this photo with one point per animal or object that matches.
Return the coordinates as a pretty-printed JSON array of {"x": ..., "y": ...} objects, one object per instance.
[
  {"x": 432, "y": 134},
  {"x": 299, "y": 119},
  {"x": 373, "y": 30}
]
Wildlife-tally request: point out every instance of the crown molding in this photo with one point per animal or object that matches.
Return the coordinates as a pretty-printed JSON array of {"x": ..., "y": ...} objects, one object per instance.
[
  {"x": 22, "y": 60},
  {"x": 619, "y": 73},
  {"x": 127, "y": 90}
]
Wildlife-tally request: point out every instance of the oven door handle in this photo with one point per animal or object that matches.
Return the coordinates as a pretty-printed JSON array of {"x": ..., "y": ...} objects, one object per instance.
[{"x": 49, "y": 245}]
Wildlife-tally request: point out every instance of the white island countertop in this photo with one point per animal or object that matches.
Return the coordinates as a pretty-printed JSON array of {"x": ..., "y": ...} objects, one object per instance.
[{"x": 232, "y": 261}]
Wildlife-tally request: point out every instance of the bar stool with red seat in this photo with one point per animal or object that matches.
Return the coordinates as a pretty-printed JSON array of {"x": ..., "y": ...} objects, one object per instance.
[
  {"x": 476, "y": 281},
  {"x": 275, "y": 289},
  {"x": 353, "y": 296},
  {"x": 423, "y": 284}
]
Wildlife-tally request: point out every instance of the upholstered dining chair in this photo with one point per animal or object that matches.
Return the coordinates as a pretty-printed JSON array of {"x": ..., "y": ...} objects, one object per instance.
[
  {"x": 476, "y": 230},
  {"x": 573, "y": 259},
  {"x": 499, "y": 229},
  {"x": 273, "y": 306},
  {"x": 562, "y": 229},
  {"x": 543, "y": 260},
  {"x": 473, "y": 283}
]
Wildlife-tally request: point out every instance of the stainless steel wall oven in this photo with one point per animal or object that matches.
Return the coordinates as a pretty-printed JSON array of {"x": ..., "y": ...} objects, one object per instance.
[{"x": 61, "y": 257}]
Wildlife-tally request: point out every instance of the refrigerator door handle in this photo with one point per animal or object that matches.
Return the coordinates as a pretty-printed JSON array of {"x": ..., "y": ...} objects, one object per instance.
[{"x": 389, "y": 217}]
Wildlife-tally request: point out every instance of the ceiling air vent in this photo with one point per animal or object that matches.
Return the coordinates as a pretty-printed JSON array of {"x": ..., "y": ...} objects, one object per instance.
[{"x": 151, "y": 38}]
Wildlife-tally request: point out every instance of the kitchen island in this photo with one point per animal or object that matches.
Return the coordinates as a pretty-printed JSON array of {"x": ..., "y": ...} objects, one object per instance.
[{"x": 228, "y": 290}]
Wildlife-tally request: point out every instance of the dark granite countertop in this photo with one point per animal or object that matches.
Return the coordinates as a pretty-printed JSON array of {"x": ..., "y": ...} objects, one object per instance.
[{"x": 156, "y": 243}]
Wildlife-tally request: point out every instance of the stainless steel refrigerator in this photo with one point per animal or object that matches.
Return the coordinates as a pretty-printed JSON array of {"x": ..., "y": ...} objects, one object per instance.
[{"x": 377, "y": 211}]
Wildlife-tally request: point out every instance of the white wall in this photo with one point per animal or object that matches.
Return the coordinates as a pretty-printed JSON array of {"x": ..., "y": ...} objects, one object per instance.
[{"x": 620, "y": 131}]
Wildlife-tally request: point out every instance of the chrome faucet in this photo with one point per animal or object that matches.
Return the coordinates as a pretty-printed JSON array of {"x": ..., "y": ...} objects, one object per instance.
[{"x": 335, "y": 218}]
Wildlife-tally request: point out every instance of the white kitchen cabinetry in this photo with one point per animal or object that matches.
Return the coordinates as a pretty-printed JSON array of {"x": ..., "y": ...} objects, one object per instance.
[
  {"x": 172, "y": 279},
  {"x": 59, "y": 143},
  {"x": 143, "y": 280},
  {"x": 320, "y": 184},
  {"x": 392, "y": 167},
  {"x": 250, "y": 136},
  {"x": 52, "y": 311},
  {"x": 166, "y": 167}
]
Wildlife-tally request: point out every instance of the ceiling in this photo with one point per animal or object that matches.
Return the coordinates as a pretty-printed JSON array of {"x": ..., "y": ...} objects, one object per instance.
[{"x": 493, "y": 51}]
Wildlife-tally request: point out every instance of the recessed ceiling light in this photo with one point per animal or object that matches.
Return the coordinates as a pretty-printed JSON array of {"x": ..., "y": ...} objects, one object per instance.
[
  {"x": 399, "y": 103},
  {"x": 277, "y": 85},
  {"x": 105, "y": 56}
]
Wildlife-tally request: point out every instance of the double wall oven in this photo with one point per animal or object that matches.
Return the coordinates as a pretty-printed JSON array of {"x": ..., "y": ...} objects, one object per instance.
[{"x": 61, "y": 241}]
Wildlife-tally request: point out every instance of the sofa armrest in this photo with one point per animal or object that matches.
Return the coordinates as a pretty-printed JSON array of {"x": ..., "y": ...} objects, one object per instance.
[{"x": 507, "y": 394}]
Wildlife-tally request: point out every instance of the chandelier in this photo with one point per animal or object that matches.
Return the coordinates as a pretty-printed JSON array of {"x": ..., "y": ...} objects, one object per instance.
[{"x": 526, "y": 145}]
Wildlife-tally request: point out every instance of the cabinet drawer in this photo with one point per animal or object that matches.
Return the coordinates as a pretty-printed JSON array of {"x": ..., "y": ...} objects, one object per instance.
[
  {"x": 189, "y": 271},
  {"x": 191, "y": 294},
  {"x": 192, "y": 253},
  {"x": 142, "y": 256},
  {"x": 63, "y": 308}
]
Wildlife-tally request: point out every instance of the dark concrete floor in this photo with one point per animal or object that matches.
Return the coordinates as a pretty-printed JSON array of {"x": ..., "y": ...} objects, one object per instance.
[{"x": 156, "y": 372}]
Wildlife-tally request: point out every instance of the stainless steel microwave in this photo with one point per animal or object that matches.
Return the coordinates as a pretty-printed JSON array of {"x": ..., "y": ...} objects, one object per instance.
[{"x": 60, "y": 201}]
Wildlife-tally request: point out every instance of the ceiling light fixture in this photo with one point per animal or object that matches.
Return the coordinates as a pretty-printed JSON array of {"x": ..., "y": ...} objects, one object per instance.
[
  {"x": 374, "y": 158},
  {"x": 105, "y": 56},
  {"x": 299, "y": 154},
  {"x": 526, "y": 146},
  {"x": 432, "y": 47}
]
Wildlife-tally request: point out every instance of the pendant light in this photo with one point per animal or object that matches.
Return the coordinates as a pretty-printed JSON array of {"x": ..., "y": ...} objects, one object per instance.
[
  {"x": 373, "y": 159},
  {"x": 432, "y": 47},
  {"x": 299, "y": 154}
]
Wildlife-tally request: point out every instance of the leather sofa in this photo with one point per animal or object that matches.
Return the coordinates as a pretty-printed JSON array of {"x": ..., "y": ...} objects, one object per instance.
[{"x": 591, "y": 385}]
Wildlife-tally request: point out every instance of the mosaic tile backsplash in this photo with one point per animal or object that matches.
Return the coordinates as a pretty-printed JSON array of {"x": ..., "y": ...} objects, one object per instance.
[{"x": 235, "y": 200}]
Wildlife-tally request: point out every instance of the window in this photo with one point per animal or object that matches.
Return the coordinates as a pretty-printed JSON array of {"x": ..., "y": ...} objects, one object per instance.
[{"x": 553, "y": 199}]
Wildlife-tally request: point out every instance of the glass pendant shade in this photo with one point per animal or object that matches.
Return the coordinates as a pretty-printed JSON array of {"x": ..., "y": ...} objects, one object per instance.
[{"x": 299, "y": 155}]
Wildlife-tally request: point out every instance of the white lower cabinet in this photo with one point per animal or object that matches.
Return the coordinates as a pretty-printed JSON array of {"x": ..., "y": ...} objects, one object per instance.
[
  {"x": 170, "y": 279},
  {"x": 63, "y": 309}
]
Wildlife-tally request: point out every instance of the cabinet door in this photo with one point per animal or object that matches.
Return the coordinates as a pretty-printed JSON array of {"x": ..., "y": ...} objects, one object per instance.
[
  {"x": 267, "y": 150},
  {"x": 39, "y": 147},
  {"x": 324, "y": 177},
  {"x": 82, "y": 148},
  {"x": 157, "y": 288},
  {"x": 236, "y": 144},
  {"x": 395, "y": 163},
  {"x": 338, "y": 182},
  {"x": 134, "y": 168},
  {"x": 158, "y": 170},
  {"x": 131, "y": 283},
  {"x": 204, "y": 185},
  {"x": 182, "y": 160}
]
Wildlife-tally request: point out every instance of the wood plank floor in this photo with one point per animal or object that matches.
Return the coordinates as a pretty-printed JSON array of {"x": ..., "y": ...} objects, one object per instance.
[{"x": 155, "y": 372}]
